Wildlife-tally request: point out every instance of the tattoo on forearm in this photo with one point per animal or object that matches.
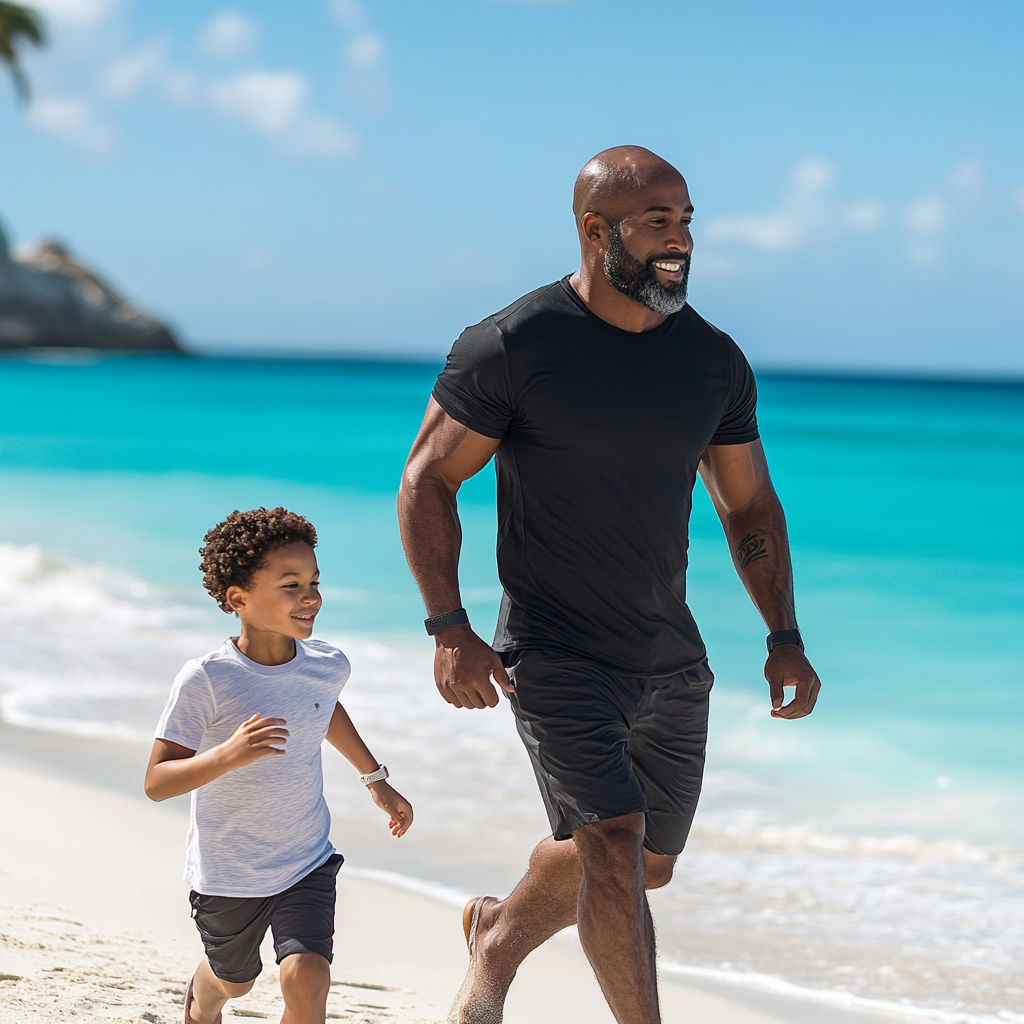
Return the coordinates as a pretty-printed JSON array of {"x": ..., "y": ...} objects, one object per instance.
[{"x": 750, "y": 549}]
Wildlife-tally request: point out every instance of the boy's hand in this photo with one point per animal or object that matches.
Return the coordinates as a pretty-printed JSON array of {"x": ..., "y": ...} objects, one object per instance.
[
  {"x": 394, "y": 804},
  {"x": 254, "y": 738}
]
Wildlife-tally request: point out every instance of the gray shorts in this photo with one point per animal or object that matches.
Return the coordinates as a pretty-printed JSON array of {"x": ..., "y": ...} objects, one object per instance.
[
  {"x": 605, "y": 744},
  {"x": 301, "y": 917}
]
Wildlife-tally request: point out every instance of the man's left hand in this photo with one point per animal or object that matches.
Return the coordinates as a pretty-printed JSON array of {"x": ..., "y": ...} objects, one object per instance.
[{"x": 787, "y": 666}]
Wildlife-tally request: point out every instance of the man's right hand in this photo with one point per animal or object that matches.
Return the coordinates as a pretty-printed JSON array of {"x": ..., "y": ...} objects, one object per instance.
[
  {"x": 464, "y": 666},
  {"x": 255, "y": 738}
]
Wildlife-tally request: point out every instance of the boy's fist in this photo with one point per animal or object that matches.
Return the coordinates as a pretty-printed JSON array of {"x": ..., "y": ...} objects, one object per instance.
[
  {"x": 256, "y": 737},
  {"x": 394, "y": 804}
]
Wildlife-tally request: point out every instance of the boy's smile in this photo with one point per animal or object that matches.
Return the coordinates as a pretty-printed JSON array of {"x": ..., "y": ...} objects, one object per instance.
[{"x": 281, "y": 601}]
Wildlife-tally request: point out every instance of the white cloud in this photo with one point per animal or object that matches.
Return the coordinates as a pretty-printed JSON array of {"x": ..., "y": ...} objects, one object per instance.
[
  {"x": 276, "y": 104},
  {"x": 349, "y": 14},
  {"x": 806, "y": 214},
  {"x": 76, "y": 13},
  {"x": 267, "y": 100},
  {"x": 1017, "y": 199},
  {"x": 959, "y": 197},
  {"x": 228, "y": 35},
  {"x": 74, "y": 121},
  {"x": 89, "y": 70},
  {"x": 127, "y": 75},
  {"x": 365, "y": 81},
  {"x": 365, "y": 51}
]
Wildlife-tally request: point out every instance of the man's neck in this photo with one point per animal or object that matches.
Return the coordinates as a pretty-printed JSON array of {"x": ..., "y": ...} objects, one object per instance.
[{"x": 607, "y": 302}]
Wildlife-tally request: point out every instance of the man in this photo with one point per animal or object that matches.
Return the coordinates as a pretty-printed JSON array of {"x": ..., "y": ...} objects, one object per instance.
[{"x": 602, "y": 395}]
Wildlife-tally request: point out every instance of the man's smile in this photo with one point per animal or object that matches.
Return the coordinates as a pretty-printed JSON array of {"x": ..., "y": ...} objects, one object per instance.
[{"x": 670, "y": 268}]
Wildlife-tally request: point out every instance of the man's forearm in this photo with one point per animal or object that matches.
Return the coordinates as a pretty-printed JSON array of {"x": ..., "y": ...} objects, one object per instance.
[
  {"x": 759, "y": 545},
  {"x": 432, "y": 539}
]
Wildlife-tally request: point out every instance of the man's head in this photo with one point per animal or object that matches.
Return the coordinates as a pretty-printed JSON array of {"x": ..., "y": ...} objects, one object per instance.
[
  {"x": 260, "y": 564},
  {"x": 633, "y": 213}
]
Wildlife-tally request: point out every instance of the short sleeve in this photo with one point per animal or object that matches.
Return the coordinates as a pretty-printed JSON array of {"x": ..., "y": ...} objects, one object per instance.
[
  {"x": 738, "y": 424},
  {"x": 190, "y": 708},
  {"x": 474, "y": 387}
]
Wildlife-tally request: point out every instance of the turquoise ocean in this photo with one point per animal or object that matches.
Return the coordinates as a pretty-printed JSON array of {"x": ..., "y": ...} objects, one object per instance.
[{"x": 874, "y": 851}]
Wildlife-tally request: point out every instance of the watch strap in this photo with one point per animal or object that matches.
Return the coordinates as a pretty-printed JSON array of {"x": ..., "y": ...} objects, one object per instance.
[
  {"x": 784, "y": 636},
  {"x": 378, "y": 776},
  {"x": 436, "y": 623}
]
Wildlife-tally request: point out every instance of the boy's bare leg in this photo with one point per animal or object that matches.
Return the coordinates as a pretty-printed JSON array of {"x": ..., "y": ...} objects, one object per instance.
[
  {"x": 305, "y": 983},
  {"x": 598, "y": 881},
  {"x": 209, "y": 994}
]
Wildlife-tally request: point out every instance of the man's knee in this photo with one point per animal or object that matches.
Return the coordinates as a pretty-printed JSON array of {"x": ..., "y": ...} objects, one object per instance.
[
  {"x": 659, "y": 870},
  {"x": 612, "y": 850}
]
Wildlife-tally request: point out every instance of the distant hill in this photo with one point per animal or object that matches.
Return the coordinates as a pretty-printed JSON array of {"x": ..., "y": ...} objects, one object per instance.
[{"x": 48, "y": 299}]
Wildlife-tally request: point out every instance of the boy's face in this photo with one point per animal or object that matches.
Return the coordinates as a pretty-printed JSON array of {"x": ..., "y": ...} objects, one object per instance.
[{"x": 283, "y": 597}]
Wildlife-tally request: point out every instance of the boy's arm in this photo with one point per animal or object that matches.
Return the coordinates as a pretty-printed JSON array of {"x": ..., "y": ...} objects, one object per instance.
[
  {"x": 174, "y": 769},
  {"x": 343, "y": 736}
]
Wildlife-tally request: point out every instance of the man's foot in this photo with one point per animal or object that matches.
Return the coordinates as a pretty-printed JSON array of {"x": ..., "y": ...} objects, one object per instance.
[
  {"x": 189, "y": 1000},
  {"x": 481, "y": 999}
]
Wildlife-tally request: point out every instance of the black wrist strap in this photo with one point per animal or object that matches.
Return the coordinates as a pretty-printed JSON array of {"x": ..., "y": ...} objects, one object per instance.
[
  {"x": 784, "y": 636},
  {"x": 438, "y": 622}
]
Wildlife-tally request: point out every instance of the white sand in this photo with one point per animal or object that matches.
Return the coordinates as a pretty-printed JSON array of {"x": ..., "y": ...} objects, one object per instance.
[{"x": 94, "y": 926}]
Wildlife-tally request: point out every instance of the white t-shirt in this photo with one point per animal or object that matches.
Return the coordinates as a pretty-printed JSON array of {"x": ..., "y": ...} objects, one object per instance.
[{"x": 257, "y": 830}]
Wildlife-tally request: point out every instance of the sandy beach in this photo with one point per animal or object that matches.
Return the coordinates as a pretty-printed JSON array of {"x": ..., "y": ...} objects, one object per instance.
[{"x": 94, "y": 921}]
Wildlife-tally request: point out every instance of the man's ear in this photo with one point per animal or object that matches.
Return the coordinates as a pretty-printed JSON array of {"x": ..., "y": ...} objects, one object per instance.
[
  {"x": 234, "y": 598},
  {"x": 594, "y": 228}
]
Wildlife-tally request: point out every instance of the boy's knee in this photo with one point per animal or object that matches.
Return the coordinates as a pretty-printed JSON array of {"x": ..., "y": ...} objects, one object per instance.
[
  {"x": 309, "y": 972},
  {"x": 236, "y": 989}
]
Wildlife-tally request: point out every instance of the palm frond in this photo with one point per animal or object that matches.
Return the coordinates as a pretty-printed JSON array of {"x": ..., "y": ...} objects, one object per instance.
[{"x": 18, "y": 25}]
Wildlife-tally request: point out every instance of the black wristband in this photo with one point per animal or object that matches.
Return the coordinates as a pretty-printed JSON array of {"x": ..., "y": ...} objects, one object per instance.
[
  {"x": 784, "y": 636},
  {"x": 438, "y": 622}
]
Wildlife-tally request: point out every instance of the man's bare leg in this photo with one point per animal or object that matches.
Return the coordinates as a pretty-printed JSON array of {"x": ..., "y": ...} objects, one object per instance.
[{"x": 551, "y": 896}]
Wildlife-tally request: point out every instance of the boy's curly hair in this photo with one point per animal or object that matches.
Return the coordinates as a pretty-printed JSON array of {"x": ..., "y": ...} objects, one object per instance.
[{"x": 236, "y": 549}]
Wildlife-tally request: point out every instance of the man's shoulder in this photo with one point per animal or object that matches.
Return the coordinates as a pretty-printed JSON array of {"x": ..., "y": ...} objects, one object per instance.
[
  {"x": 528, "y": 310},
  {"x": 690, "y": 320},
  {"x": 538, "y": 303},
  {"x": 714, "y": 338}
]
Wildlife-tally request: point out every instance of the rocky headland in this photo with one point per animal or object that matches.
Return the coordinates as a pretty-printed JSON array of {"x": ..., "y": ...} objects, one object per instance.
[{"x": 48, "y": 299}]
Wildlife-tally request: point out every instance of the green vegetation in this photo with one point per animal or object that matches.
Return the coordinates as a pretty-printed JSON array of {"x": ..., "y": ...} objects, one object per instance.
[{"x": 18, "y": 24}]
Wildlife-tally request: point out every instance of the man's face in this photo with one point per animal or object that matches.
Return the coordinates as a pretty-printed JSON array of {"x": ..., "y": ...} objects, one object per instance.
[{"x": 648, "y": 254}]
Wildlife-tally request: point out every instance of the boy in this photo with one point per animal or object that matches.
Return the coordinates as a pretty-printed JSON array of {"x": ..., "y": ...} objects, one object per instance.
[{"x": 242, "y": 732}]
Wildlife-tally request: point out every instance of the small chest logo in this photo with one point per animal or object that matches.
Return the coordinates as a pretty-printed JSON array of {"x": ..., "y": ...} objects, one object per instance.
[{"x": 316, "y": 704}]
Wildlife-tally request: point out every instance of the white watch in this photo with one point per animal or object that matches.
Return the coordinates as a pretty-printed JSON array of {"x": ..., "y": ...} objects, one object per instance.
[{"x": 378, "y": 776}]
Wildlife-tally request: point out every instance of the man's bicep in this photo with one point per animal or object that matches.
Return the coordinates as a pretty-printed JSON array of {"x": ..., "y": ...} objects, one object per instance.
[
  {"x": 735, "y": 475},
  {"x": 449, "y": 450}
]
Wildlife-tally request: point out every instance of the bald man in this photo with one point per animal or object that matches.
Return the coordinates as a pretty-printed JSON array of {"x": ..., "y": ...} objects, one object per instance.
[{"x": 602, "y": 396}]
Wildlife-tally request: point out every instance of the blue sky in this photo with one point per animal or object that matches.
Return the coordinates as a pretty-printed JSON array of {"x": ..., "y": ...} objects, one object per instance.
[{"x": 360, "y": 176}]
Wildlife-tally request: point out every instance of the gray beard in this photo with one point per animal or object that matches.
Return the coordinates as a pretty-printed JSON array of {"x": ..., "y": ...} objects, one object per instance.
[{"x": 638, "y": 281}]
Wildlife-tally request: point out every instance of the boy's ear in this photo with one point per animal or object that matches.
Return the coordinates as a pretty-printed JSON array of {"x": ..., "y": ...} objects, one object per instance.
[{"x": 234, "y": 598}]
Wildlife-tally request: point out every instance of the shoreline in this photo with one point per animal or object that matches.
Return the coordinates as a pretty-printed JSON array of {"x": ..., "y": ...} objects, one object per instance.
[{"x": 79, "y": 827}]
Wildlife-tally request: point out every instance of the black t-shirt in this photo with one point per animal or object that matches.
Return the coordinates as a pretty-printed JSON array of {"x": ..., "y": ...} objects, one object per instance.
[{"x": 601, "y": 432}]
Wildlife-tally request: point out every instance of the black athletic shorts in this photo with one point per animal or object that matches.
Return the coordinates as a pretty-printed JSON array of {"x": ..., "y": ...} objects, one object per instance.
[
  {"x": 605, "y": 744},
  {"x": 302, "y": 919}
]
